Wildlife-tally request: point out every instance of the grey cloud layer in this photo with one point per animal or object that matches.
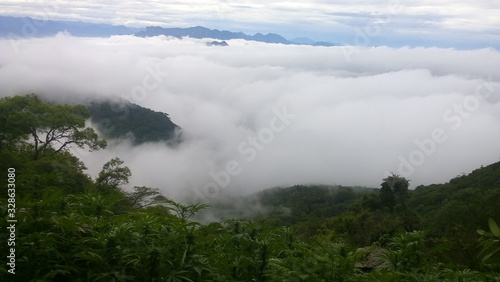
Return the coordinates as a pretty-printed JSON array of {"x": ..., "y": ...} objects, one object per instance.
[{"x": 354, "y": 120}]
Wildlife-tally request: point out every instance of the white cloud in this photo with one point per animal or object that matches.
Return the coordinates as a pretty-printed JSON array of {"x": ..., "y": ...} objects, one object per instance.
[{"x": 355, "y": 119}]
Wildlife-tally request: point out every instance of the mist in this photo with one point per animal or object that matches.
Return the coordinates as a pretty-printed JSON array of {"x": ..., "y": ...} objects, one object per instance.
[{"x": 256, "y": 115}]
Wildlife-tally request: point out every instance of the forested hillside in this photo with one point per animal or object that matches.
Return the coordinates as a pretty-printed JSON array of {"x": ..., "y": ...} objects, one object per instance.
[
  {"x": 59, "y": 224},
  {"x": 122, "y": 119},
  {"x": 450, "y": 213}
]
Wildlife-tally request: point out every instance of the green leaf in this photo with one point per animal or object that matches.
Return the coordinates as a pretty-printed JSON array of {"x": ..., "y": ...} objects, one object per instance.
[
  {"x": 486, "y": 257},
  {"x": 55, "y": 272},
  {"x": 487, "y": 245},
  {"x": 494, "y": 227}
]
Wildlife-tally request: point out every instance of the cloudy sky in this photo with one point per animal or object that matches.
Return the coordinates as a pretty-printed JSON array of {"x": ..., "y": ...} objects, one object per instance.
[
  {"x": 465, "y": 24},
  {"x": 260, "y": 115}
]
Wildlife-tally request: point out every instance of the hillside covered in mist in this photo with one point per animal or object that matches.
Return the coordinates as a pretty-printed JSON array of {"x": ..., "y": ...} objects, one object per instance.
[
  {"x": 71, "y": 226},
  {"x": 121, "y": 119}
]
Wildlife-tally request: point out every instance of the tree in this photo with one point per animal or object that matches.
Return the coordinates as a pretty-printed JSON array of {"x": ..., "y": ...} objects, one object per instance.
[
  {"x": 394, "y": 196},
  {"x": 52, "y": 128},
  {"x": 386, "y": 196},
  {"x": 12, "y": 125},
  {"x": 399, "y": 186},
  {"x": 394, "y": 191},
  {"x": 112, "y": 175},
  {"x": 145, "y": 196}
]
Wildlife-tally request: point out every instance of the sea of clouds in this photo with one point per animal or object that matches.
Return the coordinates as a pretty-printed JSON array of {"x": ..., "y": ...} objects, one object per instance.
[{"x": 257, "y": 115}]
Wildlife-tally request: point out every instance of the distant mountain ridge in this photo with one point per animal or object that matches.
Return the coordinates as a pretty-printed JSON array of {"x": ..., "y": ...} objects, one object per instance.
[
  {"x": 203, "y": 32},
  {"x": 26, "y": 27}
]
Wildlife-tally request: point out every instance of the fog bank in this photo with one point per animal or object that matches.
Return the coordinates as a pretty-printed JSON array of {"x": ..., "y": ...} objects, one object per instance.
[{"x": 259, "y": 115}]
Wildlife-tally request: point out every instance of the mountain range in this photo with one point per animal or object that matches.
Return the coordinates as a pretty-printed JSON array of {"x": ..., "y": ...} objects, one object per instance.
[
  {"x": 203, "y": 32},
  {"x": 25, "y": 27}
]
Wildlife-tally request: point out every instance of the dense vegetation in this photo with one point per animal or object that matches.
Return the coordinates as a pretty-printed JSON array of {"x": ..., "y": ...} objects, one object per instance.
[
  {"x": 449, "y": 214},
  {"x": 120, "y": 118},
  {"x": 74, "y": 228}
]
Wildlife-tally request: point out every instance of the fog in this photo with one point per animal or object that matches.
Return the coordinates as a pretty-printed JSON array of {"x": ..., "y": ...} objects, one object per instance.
[{"x": 258, "y": 115}]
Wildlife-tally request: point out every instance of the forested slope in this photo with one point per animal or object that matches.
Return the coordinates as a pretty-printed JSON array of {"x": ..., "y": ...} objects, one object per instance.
[
  {"x": 449, "y": 213},
  {"x": 122, "y": 119}
]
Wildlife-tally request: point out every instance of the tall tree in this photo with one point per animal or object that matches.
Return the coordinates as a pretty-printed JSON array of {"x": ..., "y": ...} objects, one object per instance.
[
  {"x": 45, "y": 127},
  {"x": 399, "y": 187},
  {"x": 112, "y": 175},
  {"x": 386, "y": 196},
  {"x": 143, "y": 196}
]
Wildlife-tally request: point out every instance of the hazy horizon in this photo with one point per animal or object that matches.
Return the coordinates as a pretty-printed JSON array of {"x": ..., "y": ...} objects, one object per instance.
[{"x": 448, "y": 24}]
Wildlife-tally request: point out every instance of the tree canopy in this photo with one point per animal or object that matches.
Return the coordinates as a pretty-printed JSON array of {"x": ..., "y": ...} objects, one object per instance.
[{"x": 45, "y": 127}]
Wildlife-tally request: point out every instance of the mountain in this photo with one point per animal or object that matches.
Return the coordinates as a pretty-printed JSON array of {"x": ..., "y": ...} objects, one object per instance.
[
  {"x": 25, "y": 27},
  {"x": 469, "y": 197},
  {"x": 308, "y": 41},
  {"x": 218, "y": 43},
  {"x": 302, "y": 40},
  {"x": 123, "y": 119},
  {"x": 203, "y": 32},
  {"x": 14, "y": 27}
]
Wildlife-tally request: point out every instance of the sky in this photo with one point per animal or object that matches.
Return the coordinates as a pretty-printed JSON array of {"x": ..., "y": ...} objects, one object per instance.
[
  {"x": 258, "y": 115},
  {"x": 465, "y": 24}
]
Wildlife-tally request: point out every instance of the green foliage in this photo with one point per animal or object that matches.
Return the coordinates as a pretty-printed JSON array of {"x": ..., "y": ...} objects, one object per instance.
[
  {"x": 112, "y": 175},
  {"x": 452, "y": 212},
  {"x": 309, "y": 203},
  {"x": 184, "y": 212},
  {"x": 120, "y": 118},
  {"x": 405, "y": 251},
  {"x": 143, "y": 196},
  {"x": 365, "y": 228},
  {"x": 394, "y": 193},
  {"x": 52, "y": 128},
  {"x": 490, "y": 241},
  {"x": 387, "y": 198},
  {"x": 73, "y": 228}
]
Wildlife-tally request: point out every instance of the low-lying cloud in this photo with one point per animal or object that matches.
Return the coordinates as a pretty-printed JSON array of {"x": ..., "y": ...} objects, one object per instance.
[{"x": 260, "y": 115}]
